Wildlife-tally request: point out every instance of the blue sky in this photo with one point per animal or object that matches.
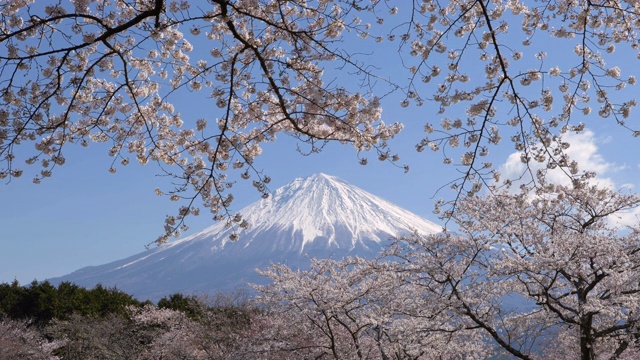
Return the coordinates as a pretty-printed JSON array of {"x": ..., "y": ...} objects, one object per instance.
[{"x": 84, "y": 215}]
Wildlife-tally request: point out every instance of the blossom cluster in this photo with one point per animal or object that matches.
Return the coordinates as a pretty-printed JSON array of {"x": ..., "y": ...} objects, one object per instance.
[
  {"x": 494, "y": 81},
  {"x": 109, "y": 71}
]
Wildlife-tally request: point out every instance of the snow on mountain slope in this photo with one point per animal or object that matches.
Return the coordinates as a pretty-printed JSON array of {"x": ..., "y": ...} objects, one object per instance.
[{"x": 317, "y": 216}]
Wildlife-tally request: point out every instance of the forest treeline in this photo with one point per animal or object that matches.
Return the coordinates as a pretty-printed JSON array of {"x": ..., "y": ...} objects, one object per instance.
[
  {"x": 42, "y": 321},
  {"x": 43, "y": 302}
]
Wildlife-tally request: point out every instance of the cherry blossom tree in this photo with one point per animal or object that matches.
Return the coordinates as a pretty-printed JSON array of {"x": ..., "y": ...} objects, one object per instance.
[
  {"x": 107, "y": 71},
  {"x": 551, "y": 271},
  {"x": 526, "y": 268},
  {"x": 113, "y": 71},
  {"x": 525, "y": 71},
  {"x": 353, "y": 310},
  {"x": 109, "y": 337},
  {"x": 145, "y": 332},
  {"x": 19, "y": 340},
  {"x": 252, "y": 333}
]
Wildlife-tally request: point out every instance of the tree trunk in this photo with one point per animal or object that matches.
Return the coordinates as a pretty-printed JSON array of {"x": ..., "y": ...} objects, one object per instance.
[{"x": 586, "y": 340}]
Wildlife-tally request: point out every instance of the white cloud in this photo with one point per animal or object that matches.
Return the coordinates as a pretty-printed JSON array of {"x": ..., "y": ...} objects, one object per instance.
[{"x": 583, "y": 150}]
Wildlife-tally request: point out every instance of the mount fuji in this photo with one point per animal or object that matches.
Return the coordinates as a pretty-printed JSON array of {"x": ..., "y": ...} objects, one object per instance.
[{"x": 319, "y": 216}]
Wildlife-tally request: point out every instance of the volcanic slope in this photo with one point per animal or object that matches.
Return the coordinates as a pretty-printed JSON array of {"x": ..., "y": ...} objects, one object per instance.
[{"x": 319, "y": 216}]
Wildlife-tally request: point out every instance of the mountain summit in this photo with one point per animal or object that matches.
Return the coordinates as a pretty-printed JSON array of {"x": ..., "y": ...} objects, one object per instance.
[{"x": 318, "y": 216}]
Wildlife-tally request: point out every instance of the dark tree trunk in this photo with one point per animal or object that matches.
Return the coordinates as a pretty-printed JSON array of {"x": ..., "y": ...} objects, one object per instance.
[{"x": 586, "y": 338}]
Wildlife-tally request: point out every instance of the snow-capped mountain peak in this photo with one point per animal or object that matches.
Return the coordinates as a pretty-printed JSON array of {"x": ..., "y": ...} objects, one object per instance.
[
  {"x": 324, "y": 209},
  {"x": 316, "y": 216}
]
